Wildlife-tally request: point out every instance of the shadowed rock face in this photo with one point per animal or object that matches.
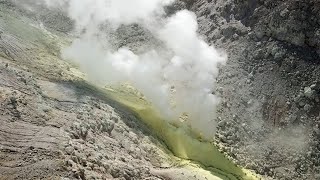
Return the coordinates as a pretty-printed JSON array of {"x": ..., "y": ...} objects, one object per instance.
[
  {"x": 295, "y": 22},
  {"x": 269, "y": 112}
]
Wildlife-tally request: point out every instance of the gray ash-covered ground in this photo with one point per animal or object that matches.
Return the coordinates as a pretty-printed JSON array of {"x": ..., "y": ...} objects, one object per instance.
[
  {"x": 61, "y": 130},
  {"x": 54, "y": 125}
]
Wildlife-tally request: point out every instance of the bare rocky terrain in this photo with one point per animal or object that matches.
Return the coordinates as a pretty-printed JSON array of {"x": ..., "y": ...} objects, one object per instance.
[
  {"x": 55, "y": 125},
  {"x": 55, "y": 130},
  {"x": 269, "y": 113}
]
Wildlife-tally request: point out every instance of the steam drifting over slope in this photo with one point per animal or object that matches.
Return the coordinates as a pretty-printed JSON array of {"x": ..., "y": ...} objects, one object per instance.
[{"x": 178, "y": 81}]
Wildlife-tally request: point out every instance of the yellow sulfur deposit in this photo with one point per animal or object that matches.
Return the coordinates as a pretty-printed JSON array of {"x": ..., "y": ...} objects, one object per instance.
[{"x": 181, "y": 141}]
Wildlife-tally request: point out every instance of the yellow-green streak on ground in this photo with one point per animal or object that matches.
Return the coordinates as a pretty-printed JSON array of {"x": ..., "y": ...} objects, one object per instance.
[{"x": 180, "y": 141}]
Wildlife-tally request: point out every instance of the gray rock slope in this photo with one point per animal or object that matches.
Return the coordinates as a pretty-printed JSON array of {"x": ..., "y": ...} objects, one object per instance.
[
  {"x": 269, "y": 112},
  {"x": 54, "y": 125}
]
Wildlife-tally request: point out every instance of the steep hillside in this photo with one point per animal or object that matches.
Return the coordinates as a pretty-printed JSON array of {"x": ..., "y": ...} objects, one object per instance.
[
  {"x": 269, "y": 114},
  {"x": 56, "y": 125}
]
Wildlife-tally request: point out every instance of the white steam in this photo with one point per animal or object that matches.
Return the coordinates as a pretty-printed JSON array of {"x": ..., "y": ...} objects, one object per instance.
[
  {"x": 96, "y": 12},
  {"x": 185, "y": 75}
]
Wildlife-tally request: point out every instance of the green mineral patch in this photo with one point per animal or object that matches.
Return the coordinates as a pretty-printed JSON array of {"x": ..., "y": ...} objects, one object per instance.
[{"x": 181, "y": 140}]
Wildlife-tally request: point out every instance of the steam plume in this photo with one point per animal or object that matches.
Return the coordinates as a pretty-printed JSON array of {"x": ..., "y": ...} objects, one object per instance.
[{"x": 184, "y": 74}]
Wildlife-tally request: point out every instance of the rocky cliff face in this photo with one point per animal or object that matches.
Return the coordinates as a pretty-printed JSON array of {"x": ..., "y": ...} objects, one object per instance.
[
  {"x": 269, "y": 112},
  {"x": 292, "y": 22}
]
